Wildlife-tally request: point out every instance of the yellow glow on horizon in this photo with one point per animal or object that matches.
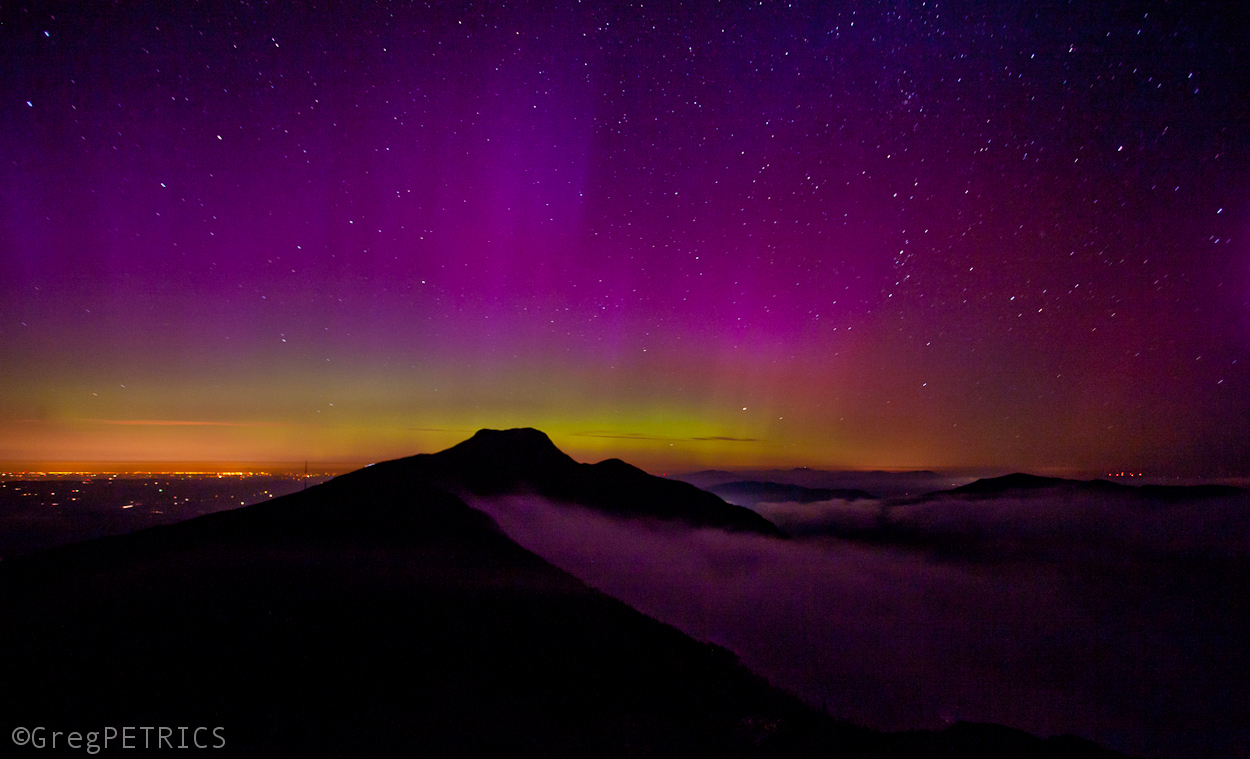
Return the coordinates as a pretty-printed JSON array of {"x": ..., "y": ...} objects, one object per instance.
[{"x": 655, "y": 441}]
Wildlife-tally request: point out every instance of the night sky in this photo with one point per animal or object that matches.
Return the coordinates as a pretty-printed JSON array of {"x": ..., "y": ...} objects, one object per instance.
[{"x": 827, "y": 234}]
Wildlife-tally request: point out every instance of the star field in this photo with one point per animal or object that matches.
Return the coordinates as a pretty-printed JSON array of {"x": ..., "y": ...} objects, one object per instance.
[{"x": 917, "y": 235}]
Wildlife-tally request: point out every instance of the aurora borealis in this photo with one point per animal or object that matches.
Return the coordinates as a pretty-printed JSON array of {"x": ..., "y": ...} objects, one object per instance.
[{"x": 835, "y": 235}]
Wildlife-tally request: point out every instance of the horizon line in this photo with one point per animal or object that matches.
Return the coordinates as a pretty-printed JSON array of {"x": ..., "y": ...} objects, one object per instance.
[{"x": 333, "y": 467}]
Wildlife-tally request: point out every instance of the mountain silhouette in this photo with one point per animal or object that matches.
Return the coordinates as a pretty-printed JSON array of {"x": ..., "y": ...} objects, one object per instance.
[
  {"x": 370, "y": 615},
  {"x": 378, "y": 614},
  {"x": 1007, "y": 483},
  {"x": 525, "y": 461}
]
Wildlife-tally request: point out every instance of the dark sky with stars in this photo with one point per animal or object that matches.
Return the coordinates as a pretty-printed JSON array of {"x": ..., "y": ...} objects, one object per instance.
[{"x": 829, "y": 234}]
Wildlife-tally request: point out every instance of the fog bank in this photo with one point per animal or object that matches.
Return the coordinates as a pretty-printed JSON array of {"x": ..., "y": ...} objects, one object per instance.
[{"x": 1121, "y": 625}]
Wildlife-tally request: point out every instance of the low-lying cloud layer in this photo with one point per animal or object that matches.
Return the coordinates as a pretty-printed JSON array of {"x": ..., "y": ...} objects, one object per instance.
[
  {"x": 1023, "y": 525},
  {"x": 1115, "y": 619}
]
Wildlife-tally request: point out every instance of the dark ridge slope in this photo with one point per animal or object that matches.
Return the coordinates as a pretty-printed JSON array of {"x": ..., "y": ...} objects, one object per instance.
[
  {"x": 373, "y": 614},
  {"x": 498, "y": 462}
]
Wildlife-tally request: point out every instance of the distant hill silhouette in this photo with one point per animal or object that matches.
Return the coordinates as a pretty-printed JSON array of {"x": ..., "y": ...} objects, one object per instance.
[
  {"x": 498, "y": 462},
  {"x": 379, "y": 615},
  {"x": 1019, "y": 482},
  {"x": 784, "y": 493},
  {"x": 880, "y": 484}
]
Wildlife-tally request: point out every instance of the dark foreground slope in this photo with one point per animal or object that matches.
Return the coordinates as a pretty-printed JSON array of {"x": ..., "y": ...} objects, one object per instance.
[
  {"x": 379, "y": 615},
  {"x": 497, "y": 462},
  {"x": 371, "y": 614}
]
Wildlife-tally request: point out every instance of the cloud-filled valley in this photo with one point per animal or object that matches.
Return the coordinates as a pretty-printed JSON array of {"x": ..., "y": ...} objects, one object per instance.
[{"x": 1114, "y": 617}]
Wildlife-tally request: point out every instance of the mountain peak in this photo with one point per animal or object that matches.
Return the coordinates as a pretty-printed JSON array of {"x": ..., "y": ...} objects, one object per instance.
[
  {"x": 513, "y": 436},
  {"x": 495, "y": 461},
  {"x": 516, "y": 461},
  {"x": 523, "y": 446}
]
